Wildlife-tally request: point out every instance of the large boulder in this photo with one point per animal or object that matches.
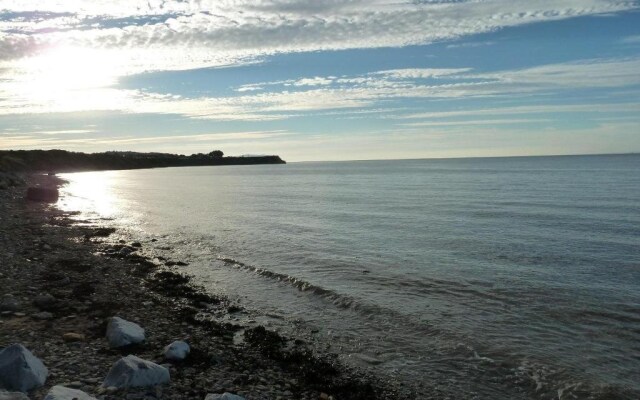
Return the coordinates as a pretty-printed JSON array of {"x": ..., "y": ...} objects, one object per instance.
[
  {"x": 223, "y": 396},
  {"x": 20, "y": 369},
  {"x": 46, "y": 194},
  {"x": 4, "y": 395},
  {"x": 121, "y": 332},
  {"x": 177, "y": 351},
  {"x": 64, "y": 393},
  {"x": 132, "y": 371}
]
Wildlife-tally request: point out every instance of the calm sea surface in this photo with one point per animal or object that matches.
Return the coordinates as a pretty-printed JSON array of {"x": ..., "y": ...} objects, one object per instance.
[{"x": 497, "y": 278}]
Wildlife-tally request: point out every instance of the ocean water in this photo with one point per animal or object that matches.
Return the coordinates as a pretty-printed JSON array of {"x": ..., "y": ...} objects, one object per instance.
[{"x": 496, "y": 278}]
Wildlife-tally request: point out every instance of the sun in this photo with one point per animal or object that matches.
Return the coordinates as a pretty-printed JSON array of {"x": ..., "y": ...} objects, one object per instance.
[
  {"x": 71, "y": 68},
  {"x": 70, "y": 79}
]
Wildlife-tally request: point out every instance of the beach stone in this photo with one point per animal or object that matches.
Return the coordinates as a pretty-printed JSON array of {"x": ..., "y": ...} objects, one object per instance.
[
  {"x": 43, "y": 315},
  {"x": 73, "y": 337},
  {"x": 132, "y": 371},
  {"x": 121, "y": 332},
  {"x": 45, "y": 302},
  {"x": 49, "y": 195},
  {"x": 63, "y": 393},
  {"x": 9, "y": 304},
  {"x": 177, "y": 351},
  {"x": 125, "y": 251},
  {"x": 223, "y": 396},
  {"x": 4, "y": 395},
  {"x": 20, "y": 369}
]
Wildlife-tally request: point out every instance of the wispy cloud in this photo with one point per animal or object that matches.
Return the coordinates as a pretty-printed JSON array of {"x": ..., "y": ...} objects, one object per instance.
[
  {"x": 529, "y": 109},
  {"x": 64, "y": 132},
  {"x": 588, "y": 73},
  {"x": 316, "y": 94},
  {"x": 421, "y": 73},
  {"x": 635, "y": 39},
  {"x": 477, "y": 122},
  {"x": 470, "y": 45},
  {"x": 207, "y": 137},
  {"x": 34, "y": 139},
  {"x": 315, "y": 81}
]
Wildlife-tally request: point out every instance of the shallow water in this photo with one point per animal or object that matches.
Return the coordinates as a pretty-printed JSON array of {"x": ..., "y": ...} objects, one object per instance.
[{"x": 490, "y": 278}]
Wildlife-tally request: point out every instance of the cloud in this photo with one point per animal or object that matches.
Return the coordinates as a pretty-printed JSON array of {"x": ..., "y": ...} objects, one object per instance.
[
  {"x": 34, "y": 139},
  {"x": 635, "y": 39},
  {"x": 207, "y": 137},
  {"x": 422, "y": 73},
  {"x": 60, "y": 56},
  {"x": 278, "y": 100},
  {"x": 529, "y": 109},
  {"x": 315, "y": 81},
  {"x": 249, "y": 88},
  {"x": 63, "y": 132},
  {"x": 477, "y": 122},
  {"x": 470, "y": 45},
  {"x": 223, "y": 31},
  {"x": 589, "y": 73}
]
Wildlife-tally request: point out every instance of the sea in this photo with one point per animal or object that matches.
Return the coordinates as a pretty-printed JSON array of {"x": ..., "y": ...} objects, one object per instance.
[{"x": 476, "y": 278}]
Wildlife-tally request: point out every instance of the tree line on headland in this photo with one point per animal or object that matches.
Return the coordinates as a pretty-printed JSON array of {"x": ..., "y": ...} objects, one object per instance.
[{"x": 67, "y": 161}]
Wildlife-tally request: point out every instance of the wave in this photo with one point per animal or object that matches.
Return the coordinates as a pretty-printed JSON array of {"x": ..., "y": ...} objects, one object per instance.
[
  {"x": 451, "y": 354},
  {"x": 338, "y": 299}
]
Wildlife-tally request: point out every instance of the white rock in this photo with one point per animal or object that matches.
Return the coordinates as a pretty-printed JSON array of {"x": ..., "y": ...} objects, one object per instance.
[
  {"x": 121, "y": 332},
  {"x": 132, "y": 371},
  {"x": 21, "y": 370},
  {"x": 177, "y": 351},
  {"x": 63, "y": 393},
  {"x": 223, "y": 396},
  {"x": 4, "y": 395}
]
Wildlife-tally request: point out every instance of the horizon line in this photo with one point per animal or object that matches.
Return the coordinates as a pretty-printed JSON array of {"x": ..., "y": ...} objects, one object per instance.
[{"x": 472, "y": 157}]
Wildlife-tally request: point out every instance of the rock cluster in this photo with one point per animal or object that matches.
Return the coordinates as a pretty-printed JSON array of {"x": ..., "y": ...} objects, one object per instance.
[{"x": 22, "y": 371}]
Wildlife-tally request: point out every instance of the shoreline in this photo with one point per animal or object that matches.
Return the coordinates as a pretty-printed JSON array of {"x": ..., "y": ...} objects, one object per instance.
[{"x": 93, "y": 276}]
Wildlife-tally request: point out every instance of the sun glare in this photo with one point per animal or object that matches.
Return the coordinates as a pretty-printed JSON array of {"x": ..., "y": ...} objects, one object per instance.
[
  {"x": 67, "y": 79},
  {"x": 90, "y": 192}
]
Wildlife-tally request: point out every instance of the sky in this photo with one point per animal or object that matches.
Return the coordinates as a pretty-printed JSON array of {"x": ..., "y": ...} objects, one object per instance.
[{"x": 323, "y": 79}]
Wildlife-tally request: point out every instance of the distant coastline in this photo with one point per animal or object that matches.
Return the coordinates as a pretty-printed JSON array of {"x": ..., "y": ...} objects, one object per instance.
[{"x": 66, "y": 161}]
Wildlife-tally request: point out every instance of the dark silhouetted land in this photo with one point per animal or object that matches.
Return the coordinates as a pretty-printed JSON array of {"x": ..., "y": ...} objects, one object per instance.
[{"x": 67, "y": 161}]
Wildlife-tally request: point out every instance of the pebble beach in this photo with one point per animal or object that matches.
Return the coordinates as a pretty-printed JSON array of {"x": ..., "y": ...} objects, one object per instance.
[{"x": 64, "y": 279}]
